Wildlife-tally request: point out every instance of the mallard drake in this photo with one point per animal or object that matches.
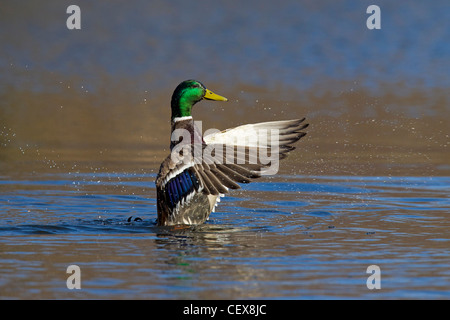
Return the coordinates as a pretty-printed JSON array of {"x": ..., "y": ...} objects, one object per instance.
[{"x": 202, "y": 168}]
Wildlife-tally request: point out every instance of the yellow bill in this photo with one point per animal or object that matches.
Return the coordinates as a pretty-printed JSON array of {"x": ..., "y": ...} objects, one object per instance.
[{"x": 209, "y": 95}]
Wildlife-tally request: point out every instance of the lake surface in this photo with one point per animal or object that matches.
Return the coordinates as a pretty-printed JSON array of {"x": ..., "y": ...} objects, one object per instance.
[
  {"x": 84, "y": 126},
  {"x": 295, "y": 238}
]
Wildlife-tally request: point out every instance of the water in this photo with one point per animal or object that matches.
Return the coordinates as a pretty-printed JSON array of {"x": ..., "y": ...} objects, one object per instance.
[
  {"x": 313, "y": 237},
  {"x": 84, "y": 126}
]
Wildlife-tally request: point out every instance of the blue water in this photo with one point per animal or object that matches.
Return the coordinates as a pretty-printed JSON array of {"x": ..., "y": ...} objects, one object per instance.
[{"x": 292, "y": 238}]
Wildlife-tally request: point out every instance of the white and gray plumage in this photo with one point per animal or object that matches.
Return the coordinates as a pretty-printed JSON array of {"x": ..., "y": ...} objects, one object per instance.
[{"x": 201, "y": 169}]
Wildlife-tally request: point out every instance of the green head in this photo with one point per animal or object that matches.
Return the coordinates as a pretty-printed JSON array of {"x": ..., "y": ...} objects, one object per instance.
[{"x": 187, "y": 94}]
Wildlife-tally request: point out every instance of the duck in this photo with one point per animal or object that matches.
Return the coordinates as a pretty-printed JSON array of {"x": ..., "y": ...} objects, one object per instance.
[{"x": 203, "y": 168}]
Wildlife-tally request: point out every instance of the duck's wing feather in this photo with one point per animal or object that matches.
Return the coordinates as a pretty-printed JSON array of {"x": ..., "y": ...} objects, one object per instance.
[
  {"x": 260, "y": 139},
  {"x": 227, "y": 158}
]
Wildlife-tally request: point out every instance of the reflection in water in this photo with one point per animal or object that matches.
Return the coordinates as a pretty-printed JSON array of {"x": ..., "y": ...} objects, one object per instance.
[
  {"x": 200, "y": 254},
  {"x": 209, "y": 236}
]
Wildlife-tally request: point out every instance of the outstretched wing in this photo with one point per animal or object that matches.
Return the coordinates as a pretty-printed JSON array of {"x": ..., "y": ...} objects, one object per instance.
[
  {"x": 261, "y": 134},
  {"x": 227, "y": 158}
]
